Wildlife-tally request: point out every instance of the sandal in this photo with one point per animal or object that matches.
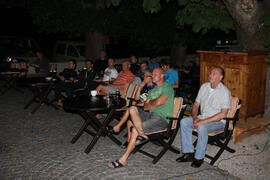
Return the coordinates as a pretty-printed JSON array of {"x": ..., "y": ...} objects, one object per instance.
[
  {"x": 111, "y": 130},
  {"x": 125, "y": 145},
  {"x": 116, "y": 164},
  {"x": 142, "y": 140}
]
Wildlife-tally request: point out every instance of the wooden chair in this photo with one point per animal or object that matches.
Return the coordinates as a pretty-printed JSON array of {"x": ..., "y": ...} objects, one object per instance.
[
  {"x": 221, "y": 138},
  {"x": 165, "y": 137},
  {"x": 128, "y": 94}
]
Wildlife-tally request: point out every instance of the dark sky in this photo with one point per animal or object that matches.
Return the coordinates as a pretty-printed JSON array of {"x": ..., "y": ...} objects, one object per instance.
[{"x": 16, "y": 22}]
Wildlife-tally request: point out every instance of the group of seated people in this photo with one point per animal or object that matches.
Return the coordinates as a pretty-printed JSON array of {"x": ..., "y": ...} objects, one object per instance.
[
  {"x": 213, "y": 100},
  {"x": 105, "y": 78},
  {"x": 156, "y": 95}
]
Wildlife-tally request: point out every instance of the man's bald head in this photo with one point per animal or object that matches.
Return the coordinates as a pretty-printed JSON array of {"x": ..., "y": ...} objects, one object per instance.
[{"x": 158, "y": 75}]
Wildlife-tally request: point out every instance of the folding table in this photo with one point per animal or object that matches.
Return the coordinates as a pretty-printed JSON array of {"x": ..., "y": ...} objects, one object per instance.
[
  {"x": 87, "y": 107},
  {"x": 10, "y": 81},
  {"x": 41, "y": 92}
]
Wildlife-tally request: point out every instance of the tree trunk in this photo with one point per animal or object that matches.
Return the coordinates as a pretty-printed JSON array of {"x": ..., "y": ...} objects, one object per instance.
[
  {"x": 251, "y": 32},
  {"x": 267, "y": 94},
  {"x": 95, "y": 42},
  {"x": 178, "y": 54}
]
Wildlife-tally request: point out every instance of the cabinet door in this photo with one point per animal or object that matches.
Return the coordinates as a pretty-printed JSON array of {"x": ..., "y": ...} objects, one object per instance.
[{"x": 233, "y": 80}]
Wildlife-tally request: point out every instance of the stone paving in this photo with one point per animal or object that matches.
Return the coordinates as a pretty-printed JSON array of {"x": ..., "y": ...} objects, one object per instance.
[{"x": 38, "y": 147}]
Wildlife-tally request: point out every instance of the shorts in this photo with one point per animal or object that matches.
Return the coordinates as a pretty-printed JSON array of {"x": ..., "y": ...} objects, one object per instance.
[
  {"x": 151, "y": 121},
  {"x": 112, "y": 90}
]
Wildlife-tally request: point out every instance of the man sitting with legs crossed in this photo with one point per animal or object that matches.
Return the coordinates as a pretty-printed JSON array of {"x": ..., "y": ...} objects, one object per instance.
[
  {"x": 160, "y": 105},
  {"x": 214, "y": 100}
]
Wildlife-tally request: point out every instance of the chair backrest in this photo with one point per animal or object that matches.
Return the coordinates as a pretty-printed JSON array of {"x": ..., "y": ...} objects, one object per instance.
[
  {"x": 177, "y": 107},
  {"x": 130, "y": 92},
  {"x": 235, "y": 106}
]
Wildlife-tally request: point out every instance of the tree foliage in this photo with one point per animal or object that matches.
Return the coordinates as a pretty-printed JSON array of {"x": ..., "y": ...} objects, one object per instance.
[
  {"x": 266, "y": 21},
  {"x": 202, "y": 15}
]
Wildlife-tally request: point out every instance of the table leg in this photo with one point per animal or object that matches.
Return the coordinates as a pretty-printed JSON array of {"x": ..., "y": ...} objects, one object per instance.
[
  {"x": 29, "y": 102},
  {"x": 101, "y": 131},
  {"x": 80, "y": 132},
  {"x": 43, "y": 98},
  {"x": 89, "y": 116}
]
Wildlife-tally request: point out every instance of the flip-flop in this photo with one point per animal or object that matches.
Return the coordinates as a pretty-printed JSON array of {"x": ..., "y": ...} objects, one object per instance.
[
  {"x": 125, "y": 145},
  {"x": 118, "y": 165},
  {"x": 142, "y": 140},
  {"x": 111, "y": 130}
]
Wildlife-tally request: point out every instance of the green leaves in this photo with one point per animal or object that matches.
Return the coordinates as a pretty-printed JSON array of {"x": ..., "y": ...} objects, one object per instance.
[
  {"x": 202, "y": 15},
  {"x": 182, "y": 2},
  {"x": 267, "y": 42},
  {"x": 152, "y": 6},
  {"x": 116, "y": 2},
  {"x": 266, "y": 21},
  {"x": 113, "y": 2}
]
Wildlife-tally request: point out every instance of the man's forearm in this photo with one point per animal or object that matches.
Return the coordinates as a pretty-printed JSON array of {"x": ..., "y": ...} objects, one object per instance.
[
  {"x": 150, "y": 105},
  {"x": 217, "y": 117},
  {"x": 194, "y": 112}
]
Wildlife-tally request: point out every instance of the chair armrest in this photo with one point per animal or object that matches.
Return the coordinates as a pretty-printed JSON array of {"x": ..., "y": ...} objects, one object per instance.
[
  {"x": 230, "y": 119},
  {"x": 131, "y": 100},
  {"x": 226, "y": 128}
]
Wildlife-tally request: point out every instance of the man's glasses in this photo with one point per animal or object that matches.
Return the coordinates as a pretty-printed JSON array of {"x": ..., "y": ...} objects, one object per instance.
[{"x": 147, "y": 75}]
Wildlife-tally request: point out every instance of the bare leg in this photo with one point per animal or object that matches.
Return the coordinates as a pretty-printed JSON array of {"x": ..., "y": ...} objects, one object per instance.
[
  {"x": 102, "y": 90},
  {"x": 124, "y": 118},
  {"x": 129, "y": 124},
  {"x": 130, "y": 148},
  {"x": 136, "y": 120},
  {"x": 60, "y": 103}
]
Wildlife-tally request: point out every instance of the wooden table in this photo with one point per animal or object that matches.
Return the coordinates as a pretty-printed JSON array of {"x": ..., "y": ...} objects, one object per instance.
[
  {"x": 87, "y": 106},
  {"x": 41, "y": 92},
  {"x": 10, "y": 81}
]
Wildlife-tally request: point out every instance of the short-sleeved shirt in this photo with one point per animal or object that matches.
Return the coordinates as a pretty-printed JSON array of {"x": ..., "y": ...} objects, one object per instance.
[
  {"x": 165, "y": 110},
  {"x": 109, "y": 74},
  {"x": 145, "y": 90},
  {"x": 213, "y": 100},
  {"x": 124, "y": 77},
  {"x": 171, "y": 76},
  {"x": 152, "y": 66}
]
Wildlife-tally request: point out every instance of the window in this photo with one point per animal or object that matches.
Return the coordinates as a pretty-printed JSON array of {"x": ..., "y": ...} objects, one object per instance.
[
  {"x": 72, "y": 51},
  {"x": 81, "y": 49}
]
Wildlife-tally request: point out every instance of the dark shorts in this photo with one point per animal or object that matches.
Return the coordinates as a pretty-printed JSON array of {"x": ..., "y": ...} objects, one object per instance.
[{"x": 151, "y": 121}]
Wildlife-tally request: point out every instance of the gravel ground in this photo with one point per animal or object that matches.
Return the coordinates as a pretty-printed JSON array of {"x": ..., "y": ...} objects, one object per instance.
[{"x": 38, "y": 147}]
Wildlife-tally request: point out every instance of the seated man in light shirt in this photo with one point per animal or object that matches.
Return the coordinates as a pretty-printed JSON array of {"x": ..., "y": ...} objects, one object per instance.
[
  {"x": 214, "y": 101},
  {"x": 110, "y": 73}
]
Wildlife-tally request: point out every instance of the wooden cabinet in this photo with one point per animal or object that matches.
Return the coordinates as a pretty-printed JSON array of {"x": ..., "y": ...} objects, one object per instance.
[{"x": 245, "y": 76}]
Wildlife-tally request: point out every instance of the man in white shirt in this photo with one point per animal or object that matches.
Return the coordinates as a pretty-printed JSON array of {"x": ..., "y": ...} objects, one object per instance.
[
  {"x": 110, "y": 73},
  {"x": 214, "y": 101}
]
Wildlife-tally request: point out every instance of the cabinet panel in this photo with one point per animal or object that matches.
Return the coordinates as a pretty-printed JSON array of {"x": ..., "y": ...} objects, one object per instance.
[
  {"x": 232, "y": 80},
  {"x": 245, "y": 76},
  {"x": 233, "y": 59},
  {"x": 212, "y": 58}
]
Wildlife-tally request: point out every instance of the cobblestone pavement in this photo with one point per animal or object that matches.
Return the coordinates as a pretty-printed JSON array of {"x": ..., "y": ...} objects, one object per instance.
[{"x": 38, "y": 147}]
